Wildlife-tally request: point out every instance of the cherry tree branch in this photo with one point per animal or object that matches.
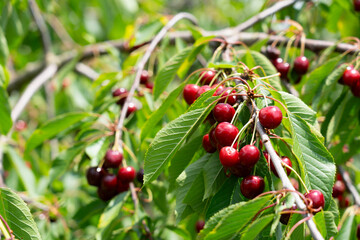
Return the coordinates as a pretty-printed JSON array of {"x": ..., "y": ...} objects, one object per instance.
[
  {"x": 350, "y": 186},
  {"x": 86, "y": 71}
]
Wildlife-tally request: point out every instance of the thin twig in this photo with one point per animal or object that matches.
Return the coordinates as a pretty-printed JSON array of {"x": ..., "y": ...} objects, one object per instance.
[
  {"x": 290, "y": 88},
  {"x": 144, "y": 60},
  {"x": 350, "y": 186},
  {"x": 87, "y": 71}
]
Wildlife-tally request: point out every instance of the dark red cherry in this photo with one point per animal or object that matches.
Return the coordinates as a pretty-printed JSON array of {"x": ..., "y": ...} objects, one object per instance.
[
  {"x": 144, "y": 78},
  {"x": 225, "y": 133},
  {"x": 199, "y": 225},
  {"x": 109, "y": 182},
  {"x": 270, "y": 117},
  {"x": 358, "y": 226},
  {"x": 122, "y": 186},
  {"x": 344, "y": 202},
  {"x": 212, "y": 137},
  {"x": 218, "y": 90},
  {"x": 105, "y": 194},
  {"x": 113, "y": 159},
  {"x": 357, "y": 5},
  {"x": 229, "y": 157},
  {"x": 210, "y": 119},
  {"x": 201, "y": 90},
  {"x": 349, "y": 67},
  {"x": 207, "y": 144},
  {"x": 149, "y": 85},
  {"x": 338, "y": 189},
  {"x": 223, "y": 112},
  {"x": 355, "y": 89},
  {"x": 350, "y": 77},
  {"x": 282, "y": 67},
  {"x": 140, "y": 176},
  {"x": 94, "y": 176},
  {"x": 240, "y": 171},
  {"x": 189, "y": 93},
  {"x": 285, "y": 160},
  {"x": 120, "y": 93},
  {"x": 317, "y": 198},
  {"x": 126, "y": 174},
  {"x": 339, "y": 177},
  {"x": 226, "y": 92},
  {"x": 251, "y": 186},
  {"x": 301, "y": 65},
  {"x": 272, "y": 52},
  {"x": 206, "y": 77},
  {"x": 249, "y": 155},
  {"x": 285, "y": 217},
  {"x": 131, "y": 109}
]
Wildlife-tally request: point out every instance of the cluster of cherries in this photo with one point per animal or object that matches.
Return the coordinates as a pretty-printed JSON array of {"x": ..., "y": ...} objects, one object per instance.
[
  {"x": 357, "y": 9},
  {"x": 300, "y": 67},
  {"x": 108, "y": 183},
  {"x": 351, "y": 78},
  {"x": 339, "y": 190}
]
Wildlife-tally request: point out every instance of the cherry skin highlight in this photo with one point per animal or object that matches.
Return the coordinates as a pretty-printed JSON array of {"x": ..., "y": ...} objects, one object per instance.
[
  {"x": 225, "y": 133},
  {"x": 223, "y": 112},
  {"x": 229, "y": 157},
  {"x": 126, "y": 174},
  {"x": 351, "y": 77},
  {"x": 120, "y": 93},
  {"x": 249, "y": 156},
  {"x": 207, "y": 77},
  {"x": 144, "y": 78},
  {"x": 338, "y": 189},
  {"x": 94, "y": 176},
  {"x": 131, "y": 109},
  {"x": 251, "y": 186},
  {"x": 270, "y": 117},
  {"x": 113, "y": 159},
  {"x": 282, "y": 67},
  {"x": 301, "y": 65},
  {"x": 189, "y": 93}
]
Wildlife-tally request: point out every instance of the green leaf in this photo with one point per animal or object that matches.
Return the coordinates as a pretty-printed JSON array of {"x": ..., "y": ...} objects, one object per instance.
[
  {"x": 5, "y": 112},
  {"x": 314, "y": 80},
  {"x": 157, "y": 115},
  {"x": 53, "y": 127},
  {"x": 4, "y": 50},
  {"x": 168, "y": 71},
  {"x": 214, "y": 176},
  {"x": 16, "y": 213},
  {"x": 315, "y": 162},
  {"x": 268, "y": 67},
  {"x": 63, "y": 160},
  {"x": 229, "y": 222},
  {"x": 96, "y": 150},
  {"x": 26, "y": 176},
  {"x": 169, "y": 139},
  {"x": 254, "y": 229},
  {"x": 347, "y": 229},
  {"x": 88, "y": 211},
  {"x": 319, "y": 220}
]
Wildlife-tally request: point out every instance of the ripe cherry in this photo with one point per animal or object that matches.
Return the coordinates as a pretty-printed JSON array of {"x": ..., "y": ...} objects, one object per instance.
[
  {"x": 212, "y": 137},
  {"x": 201, "y": 90},
  {"x": 149, "y": 85},
  {"x": 284, "y": 219},
  {"x": 226, "y": 92},
  {"x": 249, "y": 155},
  {"x": 109, "y": 182},
  {"x": 199, "y": 225},
  {"x": 126, "y": 174},
  {"x": 140, "y": 176},
  {"x": 355, "y": 89},
  {"x": 240, "y": 171},
  {"x": 338, "y": 189},
  {"x": 272, "y": 52},
  {"x": 350, "y": 77},
  {"x": 270, "y": 117},
  {"x": 344, "y": 202},
  {"x": 144, "y": 78},
  {"x": 210, "y": 119},
  {"x": 285, "y": 160},
  {"x": 113, "y": 159},
  {"x": 105, "y": 194},
  {"x": 229, "y": 157},
  {"x": 218, "y": 90},
  {"x": 120, "y": 93},
  {"x": 206, "y": 77},
  {"x": 223, "y": 112},
  {"x": 94, "y": 176},
  {"x": 251, "y": 186},
  {"x": 317, "y": 198},
  {"x": 349, "y": 67},
  {"x": 357, "y": 5},
  {"x": 282, "y": 67},
  {"x": 301, "y": 65},
  {"x": 207, "y": 144},
  {"x": 122, "y": 186},
  {"x": 131, "y": 108},
  {"x": 189, "y": 93},
  {"x": 225, "y": 133},
  {"x": 358, "y": 226}
]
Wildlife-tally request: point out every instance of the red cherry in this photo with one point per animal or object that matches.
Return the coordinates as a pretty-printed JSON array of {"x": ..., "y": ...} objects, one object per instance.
[
  {"x": 140, "y": 176},
  {"x": 284, "y": 219},
  {"x": 223, "y": 112},
  {"x": 338, "y": 189},
  {"x": 358, "y": 226},
  {"x": 270, "y": 117},
  {"x": 249, "y": 156},
  {"x": 339, "y": 177},
  {"x": 149, "y": 85},
  {"x": 344, "y": 202},
  {"x": 218, "y": 90},
  {"x": 201, "y": 90},
  {"x": 207, "y": 144},
  {"x": 94, "y": 176},
  {"x": 272, "y": 52},
  {"x": 357, "y": 5},
  {"x": 355, "y": 89},
  {"x": 120, "y": 93},
  {"x": 126, "y": 174},
  {"x": 109, "y": 182},
  {"x": 240, "y": 171},
  {"x": 226, "y": 92},
  {"x": 212, "y": 137},
  {"x": 252, "y": 186},
  {"x": 301, "y": 65},
  {"x": 122, "y": 186},
  {"x": 350, "y": 67},
  {"x": 282, "y": 67},
  {"x": 199, "y": 225},
  {"x": 317, "y": 198},
  {"x": 210, "y": 119},
  {"x": 285, "y": 160},
  {"x": 350, "y": 77},
  {"x": 189, "y": 93},
  {"x": 229, "y": 157},
  {"x": 113, "y": 159},
  {"x": 206, "y": 77},
  {"x": 105, "y": 194},
  {"x": 144, "y": 78},
  {"x": 225, "y": 133},
  {"x": 131, "y": 108}
]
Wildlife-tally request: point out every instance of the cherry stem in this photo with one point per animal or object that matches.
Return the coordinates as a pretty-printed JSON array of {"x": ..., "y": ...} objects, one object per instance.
[
  {"x": 297, "y": 174},
  {"x": 5, "y": 229},
  {"x": 238, "y": 110},
  {"x": 267, "y": 207},
  {"x": 238, "y": 136}
]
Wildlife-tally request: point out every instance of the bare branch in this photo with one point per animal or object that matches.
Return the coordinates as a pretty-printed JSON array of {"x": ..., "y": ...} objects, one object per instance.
[
  {"x": 350, "y": 186},
  {"x": 87, "y": 71}
]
